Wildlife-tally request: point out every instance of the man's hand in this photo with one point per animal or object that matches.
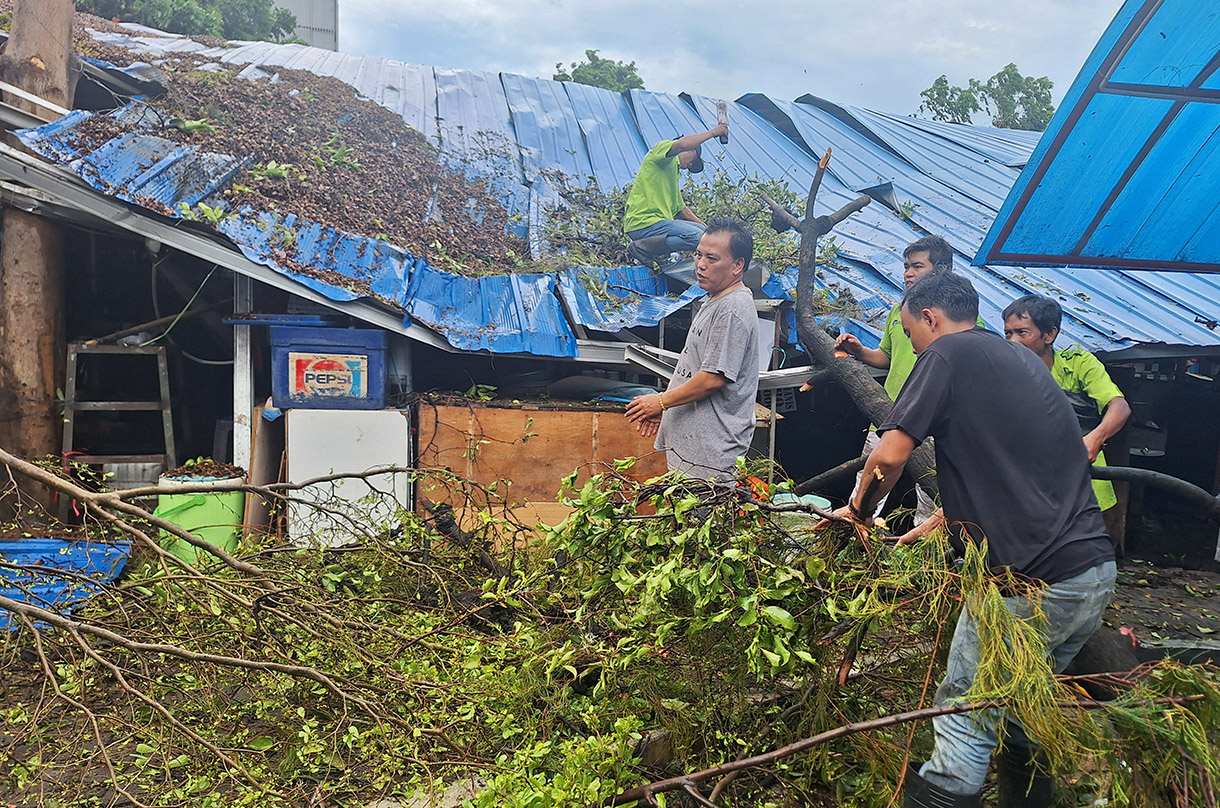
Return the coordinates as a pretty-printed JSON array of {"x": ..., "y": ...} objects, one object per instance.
[
  {"x": 843, "y": 513},
  {"x": 848, "y": 344},
  {"x": 644, "y": 408},
  {"x": 933, "y": 522},
  {"x": 649, "y": 427},
  {"x": 718, "y": 130},
  {"x": 1093, "y": 444}
]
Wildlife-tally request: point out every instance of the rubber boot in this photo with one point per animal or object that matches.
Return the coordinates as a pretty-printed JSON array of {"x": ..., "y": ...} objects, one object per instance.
[
  {"x": 919, "y": 793},
  {"x": 1023, "y": 779},
  {"x": 646, "y": 250}
]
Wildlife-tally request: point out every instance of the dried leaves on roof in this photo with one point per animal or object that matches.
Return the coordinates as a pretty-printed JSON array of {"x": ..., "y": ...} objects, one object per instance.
[{"x": 315, "y": 149}]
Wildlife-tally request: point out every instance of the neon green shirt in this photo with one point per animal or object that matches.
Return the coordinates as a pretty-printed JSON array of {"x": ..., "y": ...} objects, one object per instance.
[
  {"x": 897, "y": 346},
  {"x": 1078, "y": 371},
  {"x": 654, "y": 195}
]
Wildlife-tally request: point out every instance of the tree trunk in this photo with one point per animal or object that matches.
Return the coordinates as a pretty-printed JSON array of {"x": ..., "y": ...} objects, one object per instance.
[
  {"x": 854, "y": 377},
  {"x": 869, "y": 396},
  {"x": 38, "y": 59}
]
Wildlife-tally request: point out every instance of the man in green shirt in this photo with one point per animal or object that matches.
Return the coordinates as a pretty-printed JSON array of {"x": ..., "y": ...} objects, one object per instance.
[
  {"x": 658, "y": 221},
  {"x": 1034, "y": 321},
  {"x": 895, "y": 352}
]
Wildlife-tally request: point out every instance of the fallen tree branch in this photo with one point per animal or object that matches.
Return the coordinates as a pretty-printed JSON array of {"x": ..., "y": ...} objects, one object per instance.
[
  {"x": 646, "y": 792},
  {"x": 59, "y": 621}
]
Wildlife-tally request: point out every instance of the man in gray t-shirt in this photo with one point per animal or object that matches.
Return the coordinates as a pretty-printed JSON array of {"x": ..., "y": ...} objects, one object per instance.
[{"x": 704, "y": 420}]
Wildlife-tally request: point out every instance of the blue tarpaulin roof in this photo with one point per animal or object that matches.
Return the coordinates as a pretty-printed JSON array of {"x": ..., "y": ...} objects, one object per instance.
[
  {"x": 1126, "y": 175},
  {"x": 926, "y": 177}
]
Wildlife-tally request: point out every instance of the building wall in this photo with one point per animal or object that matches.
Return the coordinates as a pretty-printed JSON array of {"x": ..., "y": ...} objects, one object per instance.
[{"x": 317, "y": 21}]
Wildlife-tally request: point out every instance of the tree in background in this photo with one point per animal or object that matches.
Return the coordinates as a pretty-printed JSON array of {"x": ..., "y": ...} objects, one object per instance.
[
  {"x": 1014, "y": 101},
  {"x": 598, "y": 72},
  {"x": 229, "y": 19}
]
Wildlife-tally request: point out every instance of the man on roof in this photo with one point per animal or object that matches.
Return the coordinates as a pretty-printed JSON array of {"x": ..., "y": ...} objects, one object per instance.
[
  {"x": 704, "y": 420},
  {"x": 1101, "y": 408},
  {"x": 658, "y": 221}
]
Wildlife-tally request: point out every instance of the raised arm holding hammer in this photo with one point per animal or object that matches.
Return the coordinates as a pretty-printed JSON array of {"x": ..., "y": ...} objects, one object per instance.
[{"x": 658, "y": 221}]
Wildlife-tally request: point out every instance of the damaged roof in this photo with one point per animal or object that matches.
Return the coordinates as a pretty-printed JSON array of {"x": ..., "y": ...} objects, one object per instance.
[
  {"x": 925, "y": 177},
  {"x": 1126, "y": 173}
]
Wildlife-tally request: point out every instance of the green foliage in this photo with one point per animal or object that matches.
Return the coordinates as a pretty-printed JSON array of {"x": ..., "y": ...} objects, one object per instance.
[
  {"x": 382, "y": 668},
  {"x": 944, "y": 102},
  {"x": 588, "y": 227},
  {"x": 1014, "y": 101},
  {"x": 230, "y": 19},
  {"x": 741, "y": 198},
  {"x": 598, "y": 72},
  {"x": 335, "y": 153},
  {"x": 279, "y": 172},
  {"x": 1019, "y": 102},
  {"x": 190, "y": 126},
  {"x": 202, "y": 212},
  {"x": 558, "y": 774},
  {"x": 282, "y": 237},
  {"x": 481, "y": 392}
]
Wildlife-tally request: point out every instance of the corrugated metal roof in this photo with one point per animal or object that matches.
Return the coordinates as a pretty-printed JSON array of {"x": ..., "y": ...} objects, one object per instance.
[
  {"x": 624, "y": 297},
  {"x": 500, "y": 313},
  {"x": 1125, "y": 176},
  {"x": 927, "y": 177}
]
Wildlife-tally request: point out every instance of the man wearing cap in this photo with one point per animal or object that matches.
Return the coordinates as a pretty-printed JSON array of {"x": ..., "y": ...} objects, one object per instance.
[{"x": 657, "y": 219}]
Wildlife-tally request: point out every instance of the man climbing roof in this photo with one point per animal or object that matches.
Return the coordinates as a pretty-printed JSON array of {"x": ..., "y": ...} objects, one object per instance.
[{"x": 658, "y": 221}]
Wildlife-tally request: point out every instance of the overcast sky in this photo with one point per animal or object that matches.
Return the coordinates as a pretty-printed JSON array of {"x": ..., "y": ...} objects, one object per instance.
[{"x": 876, "y": 54}]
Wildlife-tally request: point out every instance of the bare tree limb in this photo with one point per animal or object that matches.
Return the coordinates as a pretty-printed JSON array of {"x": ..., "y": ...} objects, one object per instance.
[{"x": 683, "y": 781}]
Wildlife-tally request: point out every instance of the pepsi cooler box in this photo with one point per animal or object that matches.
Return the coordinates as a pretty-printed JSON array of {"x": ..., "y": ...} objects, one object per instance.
[{"x": 328, "y": 368}]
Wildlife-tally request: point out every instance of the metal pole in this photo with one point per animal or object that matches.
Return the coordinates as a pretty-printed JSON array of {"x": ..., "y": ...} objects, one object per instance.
[{"x": 243, "y": 377}]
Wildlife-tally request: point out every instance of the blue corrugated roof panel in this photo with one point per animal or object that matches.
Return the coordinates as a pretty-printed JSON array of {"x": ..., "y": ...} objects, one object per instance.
[
  {"x": 283, "y": 242},
  {"x": 1125, "y": 174},
  {"x": 983, "y": 179},
  {"x": 624, "y": 297},
  {"x": 501, "y": 313},
  {"x": 1009, "y": 147},
  {"x": 612, "y": 141},
  {"x": 662, "y": 116},
  {"x": 544, "y": 123},
  {"x": 946, "y": 179},
  {"x": 138, "y": 168}
]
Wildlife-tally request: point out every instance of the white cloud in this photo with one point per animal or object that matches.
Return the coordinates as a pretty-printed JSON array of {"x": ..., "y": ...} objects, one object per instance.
[{"x": 878, "y": 54}]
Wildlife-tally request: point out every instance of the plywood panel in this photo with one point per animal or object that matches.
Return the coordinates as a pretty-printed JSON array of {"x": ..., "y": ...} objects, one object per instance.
[{"x": 486, "y": 444}]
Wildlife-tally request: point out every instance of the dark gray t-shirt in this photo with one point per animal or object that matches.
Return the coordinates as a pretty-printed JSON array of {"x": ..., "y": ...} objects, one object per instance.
[
  {"x": 1009, "y": 458},
  {"x": 704, "y": 438}
]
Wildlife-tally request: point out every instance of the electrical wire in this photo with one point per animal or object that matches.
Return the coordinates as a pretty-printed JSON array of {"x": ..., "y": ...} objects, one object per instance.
[{"x": 157, "y": 311}]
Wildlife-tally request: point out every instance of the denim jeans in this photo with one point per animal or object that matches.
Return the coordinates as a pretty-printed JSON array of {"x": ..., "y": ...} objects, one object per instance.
[
  {"x": 964, "y": 742},
  {"x": 680, "y": 234}
]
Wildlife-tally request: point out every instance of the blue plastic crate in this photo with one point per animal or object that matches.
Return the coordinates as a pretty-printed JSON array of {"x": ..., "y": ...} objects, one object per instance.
[
  {"x": 328, "y": 368},
  {"x": 58, "y": 573}
]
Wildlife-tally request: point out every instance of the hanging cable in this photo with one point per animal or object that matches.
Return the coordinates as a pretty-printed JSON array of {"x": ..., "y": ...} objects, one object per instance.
[
  {"x": 157, "y": 311},
  {"x": 189, "y": 303}
]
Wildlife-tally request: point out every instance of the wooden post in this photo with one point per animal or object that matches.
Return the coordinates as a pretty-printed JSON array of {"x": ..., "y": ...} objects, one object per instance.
[
  {"x": 32, "y": 341},
  {"x": 38, "y": 59}
]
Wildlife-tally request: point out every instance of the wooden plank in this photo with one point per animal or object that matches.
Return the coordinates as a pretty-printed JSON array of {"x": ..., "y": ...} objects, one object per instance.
[{"x": 267, "y": 451}]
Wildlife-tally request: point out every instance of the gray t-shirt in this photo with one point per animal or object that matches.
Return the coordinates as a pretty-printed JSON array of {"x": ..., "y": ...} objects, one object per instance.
[{"x": 704, "y": 438}]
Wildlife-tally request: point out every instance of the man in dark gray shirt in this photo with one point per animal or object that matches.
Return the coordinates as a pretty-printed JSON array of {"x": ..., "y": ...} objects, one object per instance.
[
  {"x": 1012, "y": 470},
  {"x": 705, "y": 418}
]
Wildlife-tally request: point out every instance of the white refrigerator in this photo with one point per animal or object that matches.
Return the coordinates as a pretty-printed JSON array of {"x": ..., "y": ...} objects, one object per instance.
[{"x": 321, "y": 443}]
